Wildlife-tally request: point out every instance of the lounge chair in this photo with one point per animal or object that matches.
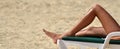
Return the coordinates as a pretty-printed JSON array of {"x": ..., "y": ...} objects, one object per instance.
[{"x": 99, "y": 43}]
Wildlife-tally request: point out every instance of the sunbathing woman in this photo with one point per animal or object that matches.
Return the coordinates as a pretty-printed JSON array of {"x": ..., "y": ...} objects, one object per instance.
[{"x": 107, "y": 21}]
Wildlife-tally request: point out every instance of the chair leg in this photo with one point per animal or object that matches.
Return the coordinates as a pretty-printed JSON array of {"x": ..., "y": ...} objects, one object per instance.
[{"x": 61, "y": 44}]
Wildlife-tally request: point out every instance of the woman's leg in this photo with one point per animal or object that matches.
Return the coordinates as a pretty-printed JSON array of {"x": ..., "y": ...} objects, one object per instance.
[
  {"x": 92, "y": 31},
  {"x": 107, "y": 21},
  {"x": 109, "y": 24}
]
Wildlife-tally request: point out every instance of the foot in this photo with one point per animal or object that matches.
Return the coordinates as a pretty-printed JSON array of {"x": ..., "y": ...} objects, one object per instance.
[{"x": 52, "y": 35}]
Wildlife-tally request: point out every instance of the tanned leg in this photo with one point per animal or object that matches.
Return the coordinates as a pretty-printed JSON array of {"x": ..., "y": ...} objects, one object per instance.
[
  {"x": 52, "y": 35},
  {"x": 108, "y": 23},
  {"x": 92, "y": 31}
]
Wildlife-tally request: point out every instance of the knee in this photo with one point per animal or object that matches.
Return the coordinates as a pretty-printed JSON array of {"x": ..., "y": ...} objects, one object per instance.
[{"x": 96, "y": 6}]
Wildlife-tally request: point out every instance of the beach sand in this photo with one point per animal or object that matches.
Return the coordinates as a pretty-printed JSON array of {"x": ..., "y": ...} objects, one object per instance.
[{"x": 22, "y": 21}]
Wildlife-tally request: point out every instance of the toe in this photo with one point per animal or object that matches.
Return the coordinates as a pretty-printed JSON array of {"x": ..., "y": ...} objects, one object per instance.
[{"x": 44, "y": 30}]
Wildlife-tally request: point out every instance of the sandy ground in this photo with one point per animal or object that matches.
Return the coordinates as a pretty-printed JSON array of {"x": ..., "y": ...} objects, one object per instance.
[{"x": 22, "y": 21}]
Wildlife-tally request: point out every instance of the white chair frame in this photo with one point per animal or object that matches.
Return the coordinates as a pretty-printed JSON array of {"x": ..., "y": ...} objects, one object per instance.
[{"x": 64, "y": 43}]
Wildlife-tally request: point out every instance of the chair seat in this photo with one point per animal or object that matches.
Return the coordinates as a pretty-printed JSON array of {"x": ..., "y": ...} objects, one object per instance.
[{"x": 90, "y": 39}]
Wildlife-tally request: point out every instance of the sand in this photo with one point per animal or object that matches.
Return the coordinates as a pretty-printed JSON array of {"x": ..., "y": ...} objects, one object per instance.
[{"x": 22, "y": 21}]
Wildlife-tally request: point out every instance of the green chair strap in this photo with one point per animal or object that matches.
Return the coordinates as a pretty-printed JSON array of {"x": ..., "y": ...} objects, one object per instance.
[{"x": 90, "y": 39}]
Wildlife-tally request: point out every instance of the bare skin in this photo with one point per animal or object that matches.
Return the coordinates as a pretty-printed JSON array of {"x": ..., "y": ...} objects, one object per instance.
[
  {"x": 52, "y": 35},
  {"x": 92, "y": 31},
  {"x": 107, "y": 21}
]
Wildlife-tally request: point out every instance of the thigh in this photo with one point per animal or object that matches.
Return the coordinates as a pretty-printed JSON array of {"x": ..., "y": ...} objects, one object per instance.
[
  {"x": 92, "y": 31},
  {"x": 106, "y": 19},
  {"x": 99, "y": 31}
]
